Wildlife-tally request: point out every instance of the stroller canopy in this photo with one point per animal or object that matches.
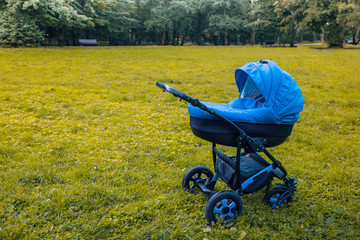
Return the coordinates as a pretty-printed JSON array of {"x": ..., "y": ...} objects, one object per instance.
[{"x": 268, "y": 95}]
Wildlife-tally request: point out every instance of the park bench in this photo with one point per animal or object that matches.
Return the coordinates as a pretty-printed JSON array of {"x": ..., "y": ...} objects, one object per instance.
[{"x": 88, "y": 42}]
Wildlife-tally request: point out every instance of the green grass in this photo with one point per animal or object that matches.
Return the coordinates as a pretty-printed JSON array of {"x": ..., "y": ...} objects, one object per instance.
[{"x": 92, "y": 149}]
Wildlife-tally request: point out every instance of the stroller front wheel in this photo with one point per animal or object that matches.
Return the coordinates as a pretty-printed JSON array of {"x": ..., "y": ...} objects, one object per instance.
[
  {"x": 223, "y": 207},
  {"x": 194, "y": 176},
  {"x": 278, "y": 197}
]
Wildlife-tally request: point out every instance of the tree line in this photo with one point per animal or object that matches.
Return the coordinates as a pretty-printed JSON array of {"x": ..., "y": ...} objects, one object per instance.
[{"x": 176, "y": 22}]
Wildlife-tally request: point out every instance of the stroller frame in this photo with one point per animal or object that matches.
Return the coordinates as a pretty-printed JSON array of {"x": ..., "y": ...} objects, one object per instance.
[{"x": 224, "y": 206}]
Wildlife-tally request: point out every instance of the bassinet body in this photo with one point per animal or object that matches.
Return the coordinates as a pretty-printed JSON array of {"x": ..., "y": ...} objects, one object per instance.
[{"x": 269, "y": 104}]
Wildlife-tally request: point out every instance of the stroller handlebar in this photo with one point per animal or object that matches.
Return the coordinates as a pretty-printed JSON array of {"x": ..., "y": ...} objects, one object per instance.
[{"x": 178, "y": 94}]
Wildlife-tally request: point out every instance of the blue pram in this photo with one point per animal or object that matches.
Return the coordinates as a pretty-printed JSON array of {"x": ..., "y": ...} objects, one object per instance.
[{"x": 263, "y": 116}]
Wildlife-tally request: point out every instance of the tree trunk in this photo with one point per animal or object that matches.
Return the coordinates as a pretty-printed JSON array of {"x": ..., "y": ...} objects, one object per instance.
[
  {"x": 354, "y": 39},
  {"x": 182, "y": 40},
  {"x": 73, "y": 37},
  {"x": 139, "y": 38},
  {"x": 252, "y": 40},
  {"x": 173, "y": 38},
  {"x": 198, "y": 30},
  {"x": 341, "y": 36},
  {"x": 61, "y": 38},
  {"x": 198, "y": 37},
  {"x": 226, "y": 40},
  {"x": 163, "y": 37},
  {"x": 292, "y": 36},
  {"x": 215, "y": 40},
  {"x": 133, "y": 37},
  {"x": 322, "y": 37}
]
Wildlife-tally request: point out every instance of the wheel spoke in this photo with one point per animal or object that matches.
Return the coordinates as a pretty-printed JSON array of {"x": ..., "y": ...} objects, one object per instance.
[
  {"x": 223, "y": 202},
  {"x": 231, "y": 215},
  {"x": 217, "y": 211},
  {"x": 232, "y": 205},
  {"x": 198, "y": 175},
  {"x": 202, "y": 177}
]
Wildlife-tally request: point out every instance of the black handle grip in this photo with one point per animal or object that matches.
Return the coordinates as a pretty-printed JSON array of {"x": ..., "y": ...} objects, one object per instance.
[
  {"x": 171, "y": 90},
  {"x": 176, "y": 93}
]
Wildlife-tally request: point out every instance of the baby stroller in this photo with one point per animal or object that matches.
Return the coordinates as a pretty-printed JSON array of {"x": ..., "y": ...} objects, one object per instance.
[{"x": 263, "y": 116}]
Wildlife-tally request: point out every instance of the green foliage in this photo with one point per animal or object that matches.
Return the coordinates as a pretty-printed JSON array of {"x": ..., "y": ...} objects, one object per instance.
[
  {"x": 92, "y": 149},
  {"x": 175, "y": 22},
  {"x": 334, "y": 18},
  {"x": 19, "y": 31}
]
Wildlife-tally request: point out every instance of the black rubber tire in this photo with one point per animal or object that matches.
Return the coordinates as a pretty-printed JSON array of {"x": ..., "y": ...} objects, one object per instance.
[
  {"x": 196, "y": 173},
  {"x": 273, "y": 195},
  {"x": 223, "y": 207}
]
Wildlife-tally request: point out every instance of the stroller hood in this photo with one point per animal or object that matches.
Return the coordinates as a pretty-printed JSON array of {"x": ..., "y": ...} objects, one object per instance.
[{"x": 281, "y": 92}]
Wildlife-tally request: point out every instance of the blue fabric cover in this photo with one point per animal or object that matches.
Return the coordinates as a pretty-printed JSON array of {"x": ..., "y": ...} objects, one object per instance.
[{"x": 283, "y": 99}]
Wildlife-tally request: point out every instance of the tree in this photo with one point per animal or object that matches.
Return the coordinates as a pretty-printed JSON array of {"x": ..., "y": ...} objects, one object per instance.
[
  {"x": 63, "y": 22},
  {"x": 119, "y": 23},
  {"x": 333, "y": 17},
  {"x": 19, "y": 30},
  {"x": 349, "y": 14},
  {"x": 159, "y": 21},
  {"x": 200, "y": 20},
  {"x": 180, "y": 14},
  {"x": 291, "y": 14},
  {"x": 140, "y": 13},
  {"x": 262, "y": 20},
  {"x": 225, "y": 20}
]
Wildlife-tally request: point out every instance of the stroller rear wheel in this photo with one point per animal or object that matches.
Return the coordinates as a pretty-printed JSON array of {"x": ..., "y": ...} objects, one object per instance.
[
  {"x": 195, "y": 175},
  {"x": 223, "y": 207}
]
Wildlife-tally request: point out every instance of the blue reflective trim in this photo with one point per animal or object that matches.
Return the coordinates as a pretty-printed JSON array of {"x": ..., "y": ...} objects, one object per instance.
[
  {"x": 215, "y": 178},
  {"x": 251, "y": 180}
]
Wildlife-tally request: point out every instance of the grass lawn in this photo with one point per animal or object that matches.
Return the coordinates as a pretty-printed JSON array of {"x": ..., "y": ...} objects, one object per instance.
[{"x": 90, "y": 148}]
